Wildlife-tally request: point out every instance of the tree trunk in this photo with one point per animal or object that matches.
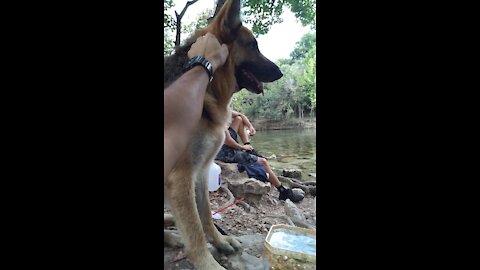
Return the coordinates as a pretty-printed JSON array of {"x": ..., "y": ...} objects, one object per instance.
[
  {"x": 300, "y": 111},
  {"x": 179, "y": 29}
]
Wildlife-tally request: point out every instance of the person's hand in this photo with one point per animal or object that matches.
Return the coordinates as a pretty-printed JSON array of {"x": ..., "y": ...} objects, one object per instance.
[
  {"x": 209, "y": 47},
  {"x": 247, "y": 147},
  {"x": 252, "y": 130}
]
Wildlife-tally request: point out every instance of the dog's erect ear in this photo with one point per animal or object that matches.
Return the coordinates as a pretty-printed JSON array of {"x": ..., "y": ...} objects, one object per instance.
[
  {"x": 229, "y": 20},
  {"x": 232, "y": 20}
]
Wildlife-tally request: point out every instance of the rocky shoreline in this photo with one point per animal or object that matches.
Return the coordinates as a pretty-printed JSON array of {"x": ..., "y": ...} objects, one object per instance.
[{"x": 251, "y": 219}]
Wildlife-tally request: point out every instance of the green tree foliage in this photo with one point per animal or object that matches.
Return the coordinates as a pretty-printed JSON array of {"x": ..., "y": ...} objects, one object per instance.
[
  {"x": 264, "y": 13},
  {"x": 303, "y": 46},
  {"x": 168, "y": 20},
  {"x": 168, "y": 28},
  {"x": 305, "y": 11},
  {"x": 168, "y": 42},
  {"x": 261, "y": 13},
  {"x": 308, "y": 80}
]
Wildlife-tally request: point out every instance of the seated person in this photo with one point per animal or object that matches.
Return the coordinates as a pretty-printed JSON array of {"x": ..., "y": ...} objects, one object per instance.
[{"x": 245, "y": 155}]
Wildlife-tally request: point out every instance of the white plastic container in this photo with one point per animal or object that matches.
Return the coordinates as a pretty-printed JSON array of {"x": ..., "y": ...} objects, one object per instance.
[{"x": 214, "y": 180}]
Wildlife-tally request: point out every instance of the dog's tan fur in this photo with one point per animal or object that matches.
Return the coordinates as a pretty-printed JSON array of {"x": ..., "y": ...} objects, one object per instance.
[{"x": 186, "y": 186}]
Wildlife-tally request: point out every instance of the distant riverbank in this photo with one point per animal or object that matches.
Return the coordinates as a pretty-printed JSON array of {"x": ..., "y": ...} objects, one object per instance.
[{"x": 293, "y": 123}]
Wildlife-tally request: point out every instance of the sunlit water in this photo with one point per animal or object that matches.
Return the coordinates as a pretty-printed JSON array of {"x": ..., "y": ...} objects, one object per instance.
[
  {"x": 292, "y": 241},
  {"x": 294, "y": 149}
]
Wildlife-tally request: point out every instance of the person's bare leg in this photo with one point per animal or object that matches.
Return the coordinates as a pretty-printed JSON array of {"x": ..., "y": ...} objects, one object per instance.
[
  {"x": 243, "y": 134},
  {"x": 237, "y": 125},
  {"x": 285, "y": 193},
  {"x": 272, "y": 178}
]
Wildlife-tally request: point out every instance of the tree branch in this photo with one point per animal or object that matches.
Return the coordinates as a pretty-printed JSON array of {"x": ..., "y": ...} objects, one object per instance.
[
  {"x": 179, "y": 18},
  {"x": 186, "y": 6}
]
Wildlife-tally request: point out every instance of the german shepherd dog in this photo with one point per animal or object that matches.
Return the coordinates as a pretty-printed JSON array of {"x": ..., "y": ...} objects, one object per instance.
[{"x": 186, "y": 186}]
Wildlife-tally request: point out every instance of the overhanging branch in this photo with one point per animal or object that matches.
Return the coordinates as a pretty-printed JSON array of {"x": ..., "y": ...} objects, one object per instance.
[{"x": 179, "y": 19}]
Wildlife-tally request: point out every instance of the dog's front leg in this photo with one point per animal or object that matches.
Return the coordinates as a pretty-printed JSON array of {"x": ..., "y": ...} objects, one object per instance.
[
  {"x": 180, "y": 190},
  {"x": 225, "y": 244}
]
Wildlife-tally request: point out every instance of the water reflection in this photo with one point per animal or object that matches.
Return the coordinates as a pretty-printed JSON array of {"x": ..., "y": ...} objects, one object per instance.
[{"x": 294, "y": 149}]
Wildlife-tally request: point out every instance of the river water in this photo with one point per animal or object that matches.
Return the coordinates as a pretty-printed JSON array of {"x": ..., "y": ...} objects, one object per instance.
[{"x": 294, "y": 149}]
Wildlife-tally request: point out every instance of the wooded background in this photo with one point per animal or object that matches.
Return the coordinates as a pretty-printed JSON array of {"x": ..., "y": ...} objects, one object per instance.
[{"x": 294, "y": 95}]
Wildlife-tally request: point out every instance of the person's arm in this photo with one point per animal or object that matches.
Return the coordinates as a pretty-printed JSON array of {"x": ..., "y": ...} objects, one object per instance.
[
  {"x": 186, "y": 93},
  {"x": 183, "y": 101},
  {"x": 230, "y": 142}
]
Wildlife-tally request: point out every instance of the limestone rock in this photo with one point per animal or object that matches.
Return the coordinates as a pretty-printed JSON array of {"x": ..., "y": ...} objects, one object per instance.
[
  {"x": 297, "y": 192},
  {"x": 272, "y": 201},
  {"x": 292, "y": 173},
  {"x": 277, "y": 171},
  {"x": 272, "y": 156},
  {"x": 295, "y": 214},
  {"x": 240, "y": 185},
  {"x": 229, "y": 171},
  {"x": 250, "y": 189}
]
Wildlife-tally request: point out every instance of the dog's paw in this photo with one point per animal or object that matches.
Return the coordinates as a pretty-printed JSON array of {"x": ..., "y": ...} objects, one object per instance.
[
  {"x": 234, "y": 242},
  {"x": 172, "y": 239},
  {"x": 228, "y": 245}
]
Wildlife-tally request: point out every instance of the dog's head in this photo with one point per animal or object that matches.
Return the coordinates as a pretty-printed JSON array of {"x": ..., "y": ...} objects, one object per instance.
[{"x": 251, "y": 68}]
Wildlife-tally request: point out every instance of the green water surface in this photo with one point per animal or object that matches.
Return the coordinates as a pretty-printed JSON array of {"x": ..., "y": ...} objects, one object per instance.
[{"x": 294, "y": 149}]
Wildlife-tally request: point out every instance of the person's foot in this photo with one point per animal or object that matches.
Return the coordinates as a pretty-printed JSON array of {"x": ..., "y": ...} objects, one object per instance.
[{"x": 288, "y": 194}]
